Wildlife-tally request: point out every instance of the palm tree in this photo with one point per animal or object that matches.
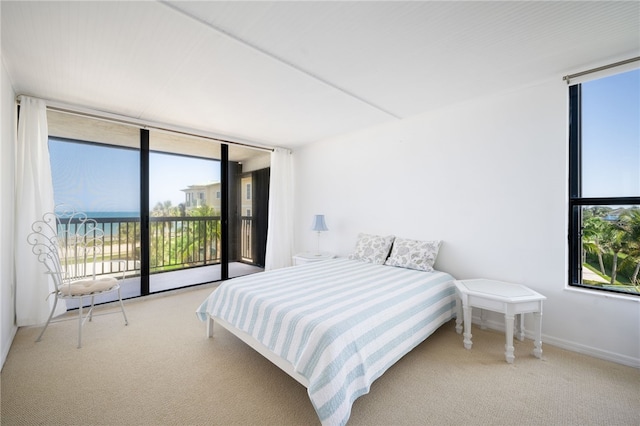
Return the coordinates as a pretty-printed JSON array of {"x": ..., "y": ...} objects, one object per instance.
[
  {"x": 630, "y": 221},
  {"x": 197, "y": 235},
  {"x": 163, "y": 209},
  {"x": 593, "y": 233},
  {"x": 614, "y": 241},
  {"x": 207, "y": 232}
]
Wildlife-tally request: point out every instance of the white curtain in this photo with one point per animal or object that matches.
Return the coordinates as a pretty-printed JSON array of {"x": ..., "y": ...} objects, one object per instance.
[
  {"x": 280, "y": 232},
  {"x": 34, "y": 196}
]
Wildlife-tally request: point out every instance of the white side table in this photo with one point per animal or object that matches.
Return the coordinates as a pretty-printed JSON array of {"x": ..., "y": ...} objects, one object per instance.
[
  {"x": 308, "y": 256},
  {"x": 509, "y": 299}
]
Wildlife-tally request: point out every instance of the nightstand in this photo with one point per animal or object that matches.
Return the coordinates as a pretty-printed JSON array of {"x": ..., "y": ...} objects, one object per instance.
[
  {"x": 506, "y": 298},
  {"x": 308, "y": 256}
]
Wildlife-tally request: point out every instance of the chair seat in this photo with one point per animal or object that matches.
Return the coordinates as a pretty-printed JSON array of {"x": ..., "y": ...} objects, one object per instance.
[
  {"x": 69, "y": 246},
  {"x": 88, "y": 286}
]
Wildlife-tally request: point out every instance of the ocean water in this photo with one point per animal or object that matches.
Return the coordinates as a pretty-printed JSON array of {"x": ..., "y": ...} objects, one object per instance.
[
  {"x": 96, "y": 215},
  {"x": 111, "y": 229}
]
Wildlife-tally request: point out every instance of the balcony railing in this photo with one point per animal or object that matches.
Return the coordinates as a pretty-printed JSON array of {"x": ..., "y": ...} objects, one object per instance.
[{"x": 175, "y": 242}]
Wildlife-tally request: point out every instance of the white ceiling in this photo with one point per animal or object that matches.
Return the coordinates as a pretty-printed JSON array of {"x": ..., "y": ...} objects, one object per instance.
[{"x": 290, "y": 73}]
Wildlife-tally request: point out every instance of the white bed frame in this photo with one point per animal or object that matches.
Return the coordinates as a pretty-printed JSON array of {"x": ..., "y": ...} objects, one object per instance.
[{"x": 280, "y": 362}]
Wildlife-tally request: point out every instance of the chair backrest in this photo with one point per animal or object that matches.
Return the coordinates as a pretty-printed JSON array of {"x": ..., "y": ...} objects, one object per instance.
[{"x": 67, "y": 243}]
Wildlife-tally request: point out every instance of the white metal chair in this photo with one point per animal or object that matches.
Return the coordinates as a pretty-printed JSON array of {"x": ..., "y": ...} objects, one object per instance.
[{"x": 69, "y": 245}]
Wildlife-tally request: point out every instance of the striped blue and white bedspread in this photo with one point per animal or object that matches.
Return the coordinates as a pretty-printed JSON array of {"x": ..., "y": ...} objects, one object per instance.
[{"x": 341, "y": 323}]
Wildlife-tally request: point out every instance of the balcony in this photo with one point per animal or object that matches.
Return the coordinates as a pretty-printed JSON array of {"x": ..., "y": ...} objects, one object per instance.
[{"x": 183, "y": 251}]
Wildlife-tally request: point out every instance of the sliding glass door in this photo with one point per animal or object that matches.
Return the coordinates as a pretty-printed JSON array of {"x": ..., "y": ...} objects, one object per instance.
[
  {"x": 248, "y": 209},
  {"x": 95, "y": 169},
  {"x": 181, "y": 210},
  {"x": 185, "y": 195},
  {"x": 202, "y": 207}
]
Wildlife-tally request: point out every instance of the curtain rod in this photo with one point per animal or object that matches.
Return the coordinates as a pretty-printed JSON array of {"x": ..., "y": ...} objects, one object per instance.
[
  {"x": 568, "y": 78},
  {"x": 121, "y": 119}
]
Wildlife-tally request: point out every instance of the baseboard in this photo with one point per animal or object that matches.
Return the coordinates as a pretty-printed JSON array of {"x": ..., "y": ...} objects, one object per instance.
[
  {"x": 7, "y": 345},
  {"x": 591, "y": 351},
  {"x": 567, "y": 344}
]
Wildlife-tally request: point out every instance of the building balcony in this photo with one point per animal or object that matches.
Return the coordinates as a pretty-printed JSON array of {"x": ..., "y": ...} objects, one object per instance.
[{"x": 183, "y": 251}]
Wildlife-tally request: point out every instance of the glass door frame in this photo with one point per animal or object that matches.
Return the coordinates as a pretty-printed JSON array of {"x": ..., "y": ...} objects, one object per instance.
[{"x": 145, "y": 268}]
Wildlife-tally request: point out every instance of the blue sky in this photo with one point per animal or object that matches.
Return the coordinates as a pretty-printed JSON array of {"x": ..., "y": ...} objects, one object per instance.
[
  {"x": 95, "y": 178},
  {"x": 170, "y": 173},
  {"x": 611, "y": 136}
]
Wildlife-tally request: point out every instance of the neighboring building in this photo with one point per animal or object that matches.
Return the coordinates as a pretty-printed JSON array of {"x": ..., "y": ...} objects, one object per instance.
[
  {"x": 198, "y": 195},
  {"x": 209, "y": 194},
  {"x": 614, "y": 215}
]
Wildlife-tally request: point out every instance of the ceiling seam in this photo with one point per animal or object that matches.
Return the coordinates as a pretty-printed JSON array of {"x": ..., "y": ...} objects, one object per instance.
[{"x": 277, "y": 58}]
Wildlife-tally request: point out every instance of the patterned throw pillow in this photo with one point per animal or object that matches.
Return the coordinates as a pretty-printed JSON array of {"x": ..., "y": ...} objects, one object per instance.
[
  {"x": 414, "y": 254},
  {"x": 372, "y": 248}
]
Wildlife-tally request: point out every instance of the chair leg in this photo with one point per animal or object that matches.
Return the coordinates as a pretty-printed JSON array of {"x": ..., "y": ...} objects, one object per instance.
[
  {"x": 53, "y": 309},
  {"x": 91, "y": 310},
  {"x": 126, "y": 322},
  {"x": 80, "y": 324}
]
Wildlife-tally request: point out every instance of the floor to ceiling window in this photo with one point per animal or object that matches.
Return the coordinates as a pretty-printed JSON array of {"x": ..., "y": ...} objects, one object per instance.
[
  {"x": 186, "y": 211},
  {"x": 95, "y": 169},
  {"x": 604, "y": 184},
  {"x": 200, "y": 200}
]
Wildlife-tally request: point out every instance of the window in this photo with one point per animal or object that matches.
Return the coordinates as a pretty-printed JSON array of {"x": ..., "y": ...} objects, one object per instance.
[
  {"x": 124, "y": 176},
  {"x": 604, "y": 184},
  {"x": 95, "y": 168}
]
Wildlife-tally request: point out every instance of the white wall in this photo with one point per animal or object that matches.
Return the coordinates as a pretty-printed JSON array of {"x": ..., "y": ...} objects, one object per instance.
[
  {"x": 7, "y": 281},
  {"x": 488, "y": 177}
]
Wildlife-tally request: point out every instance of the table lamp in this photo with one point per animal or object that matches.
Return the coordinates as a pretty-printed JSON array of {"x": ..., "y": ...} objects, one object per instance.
[{"x": 319, "y": 226}]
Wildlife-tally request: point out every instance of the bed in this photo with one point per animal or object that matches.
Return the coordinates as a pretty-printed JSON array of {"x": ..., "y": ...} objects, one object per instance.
[{"x": 335, "y": 326}]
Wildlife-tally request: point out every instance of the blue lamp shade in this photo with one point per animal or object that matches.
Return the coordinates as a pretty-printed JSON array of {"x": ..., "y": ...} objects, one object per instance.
[{"x": 318, "y": 223}]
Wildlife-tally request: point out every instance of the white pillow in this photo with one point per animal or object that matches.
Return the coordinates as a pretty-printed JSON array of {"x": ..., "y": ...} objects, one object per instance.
[
  {"x": 414, "y": 254},
  {"x": 372, "y": 248}
]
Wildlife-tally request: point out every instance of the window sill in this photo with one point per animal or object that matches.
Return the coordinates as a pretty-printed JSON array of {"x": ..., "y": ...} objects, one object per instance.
[{"x": 601, "y": 293}]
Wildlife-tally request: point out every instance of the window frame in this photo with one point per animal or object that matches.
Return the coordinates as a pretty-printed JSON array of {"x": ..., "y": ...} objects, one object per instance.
[
  {"x": 576, "y": 201},
  {"x": 144, "y": 286}
]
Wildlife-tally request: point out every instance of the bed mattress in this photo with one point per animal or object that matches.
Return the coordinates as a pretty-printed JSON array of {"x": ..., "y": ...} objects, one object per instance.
[{"x": 340, "y": 323}]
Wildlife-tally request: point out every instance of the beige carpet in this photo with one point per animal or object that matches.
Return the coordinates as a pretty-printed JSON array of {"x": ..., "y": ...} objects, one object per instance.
[{"x": 162, "y": 370}]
